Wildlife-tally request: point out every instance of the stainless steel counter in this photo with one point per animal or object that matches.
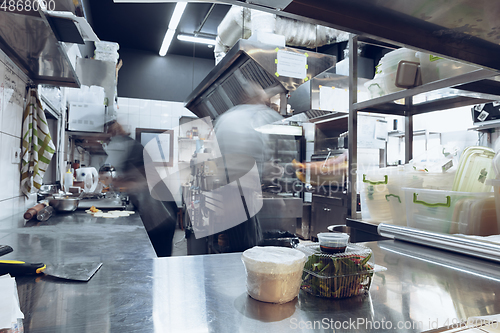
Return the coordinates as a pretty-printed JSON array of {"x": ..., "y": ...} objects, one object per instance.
[
  {"x": 71, "y": 237},
  {"x": 134, "y": 292}
]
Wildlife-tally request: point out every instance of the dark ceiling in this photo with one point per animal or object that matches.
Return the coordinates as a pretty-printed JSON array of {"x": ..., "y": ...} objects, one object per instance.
[{"x": 143, "y": 26}]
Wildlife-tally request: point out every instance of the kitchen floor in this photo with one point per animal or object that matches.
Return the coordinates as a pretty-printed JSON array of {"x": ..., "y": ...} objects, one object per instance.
[{"x": 180, "y": 244}]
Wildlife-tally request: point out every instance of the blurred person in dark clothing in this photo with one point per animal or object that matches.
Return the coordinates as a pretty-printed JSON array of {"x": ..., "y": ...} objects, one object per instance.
[
  {"x": 159, "y": 217},
  {"x": 239, "y": 131}
]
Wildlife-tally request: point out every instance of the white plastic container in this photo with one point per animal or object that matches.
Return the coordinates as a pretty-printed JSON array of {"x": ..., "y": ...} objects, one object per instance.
[
  {"x": 436, "y": 180},
  {"x": 103, "y": 46},
  {"x": 274, "y": 274},
  {"x": 68, "y": 181},
  {"x": 391, "y": 60},
  {"x": 373, "y": 191},
  {"x": 496, "y": 190},
  {"x": 435, "y": 68},
  {"x": 376, "y": 87},
  {"x": 439, "y": 210},
  {"x": 479, "y": 217},
  {"x": 389, "y": 66}
]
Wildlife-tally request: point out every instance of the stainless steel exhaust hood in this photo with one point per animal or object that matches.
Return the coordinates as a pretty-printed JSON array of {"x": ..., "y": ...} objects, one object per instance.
[
  {"x": 29, "y": 40},
  {"x": 247, "y": 64}
]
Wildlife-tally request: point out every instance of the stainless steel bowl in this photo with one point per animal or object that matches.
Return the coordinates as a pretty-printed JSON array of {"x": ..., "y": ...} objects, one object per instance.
[{"x": 64, "y": 204}]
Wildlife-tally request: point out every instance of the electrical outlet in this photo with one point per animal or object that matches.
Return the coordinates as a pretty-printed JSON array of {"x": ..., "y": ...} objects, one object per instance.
[{"x": 15, "y": 155}]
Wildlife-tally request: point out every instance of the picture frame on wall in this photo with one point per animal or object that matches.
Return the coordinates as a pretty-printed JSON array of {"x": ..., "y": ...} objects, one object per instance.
[{"x": 159, "y": 144}]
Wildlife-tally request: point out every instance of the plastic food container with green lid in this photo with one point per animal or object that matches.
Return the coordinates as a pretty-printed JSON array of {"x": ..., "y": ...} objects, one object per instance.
[
  {"x": 474, "y": 168},
  {"x": 339, "y": 275},
  {"x": 441, "y": 211}
]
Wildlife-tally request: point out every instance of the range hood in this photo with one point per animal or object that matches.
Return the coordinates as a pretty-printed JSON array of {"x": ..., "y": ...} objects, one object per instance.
[
  {"x": 30, "y": 41},
  {"x": 249, "y": 64}
]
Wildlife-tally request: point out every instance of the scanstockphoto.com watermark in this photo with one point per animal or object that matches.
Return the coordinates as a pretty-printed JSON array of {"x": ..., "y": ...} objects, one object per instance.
[
  {"x": 387, "y": 325},
  {"x": 354, "y": 324}
]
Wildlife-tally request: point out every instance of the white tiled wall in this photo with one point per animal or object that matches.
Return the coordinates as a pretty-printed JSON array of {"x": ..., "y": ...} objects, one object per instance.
[
  {"x": 133, "y": 113},
  {"x": 11, "y": 110}
]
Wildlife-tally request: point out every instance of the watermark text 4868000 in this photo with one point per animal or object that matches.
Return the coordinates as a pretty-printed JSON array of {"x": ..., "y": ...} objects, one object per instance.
[{"x": 26, "y": 5}]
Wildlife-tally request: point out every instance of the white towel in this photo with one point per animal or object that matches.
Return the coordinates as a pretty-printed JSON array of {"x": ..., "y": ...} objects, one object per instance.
[{"x": 38, "y": 147}]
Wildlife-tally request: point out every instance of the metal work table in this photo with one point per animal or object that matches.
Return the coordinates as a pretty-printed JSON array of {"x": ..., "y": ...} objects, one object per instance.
[
  {"x": 135, "y": 292},
  {"x": 77, "y": 236}
]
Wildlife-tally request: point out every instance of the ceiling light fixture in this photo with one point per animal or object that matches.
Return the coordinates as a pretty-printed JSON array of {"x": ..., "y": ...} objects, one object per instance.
[
  {"x": 195, "y": 39},
  {"x": 172, "y": 26}
]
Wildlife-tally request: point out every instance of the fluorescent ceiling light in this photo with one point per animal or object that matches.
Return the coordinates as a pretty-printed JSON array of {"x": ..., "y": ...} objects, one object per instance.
[
  {"x": 166, "y": 42},
  {"x": 176, "y": 16},
  {"x": 172, "y": 26},
  {"x": 194, "y": 39}
]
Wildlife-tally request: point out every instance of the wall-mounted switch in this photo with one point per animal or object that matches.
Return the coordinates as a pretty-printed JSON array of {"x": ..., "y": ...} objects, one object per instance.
[{"x": 15, "y": 155}]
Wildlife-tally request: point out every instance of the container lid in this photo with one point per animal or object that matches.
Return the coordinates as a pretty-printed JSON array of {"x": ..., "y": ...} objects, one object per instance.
[
  {"x": 356, "y": 259},
  {"x": 273, "y": 259},
  {"x": 493, "y": 182},
  {"x": 333, "y": 238},
  {"x": 475, "y": 166}
]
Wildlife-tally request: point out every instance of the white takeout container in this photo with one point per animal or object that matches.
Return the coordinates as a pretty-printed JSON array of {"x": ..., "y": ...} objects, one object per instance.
[{"x": 274, "y": 274}]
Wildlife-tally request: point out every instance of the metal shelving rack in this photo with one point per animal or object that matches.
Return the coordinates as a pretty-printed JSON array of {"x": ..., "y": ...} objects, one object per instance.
[{"x": 479, "y": 86}]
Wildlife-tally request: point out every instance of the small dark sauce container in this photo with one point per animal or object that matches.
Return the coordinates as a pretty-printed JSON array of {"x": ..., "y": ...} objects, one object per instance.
[
  {"x": 333, "y": 242},
  {"x": 329, "y": 249}
]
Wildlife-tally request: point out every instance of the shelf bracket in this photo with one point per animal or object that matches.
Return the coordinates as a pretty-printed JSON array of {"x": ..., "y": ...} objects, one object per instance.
[
  {"x": 408, "y": 130},
  {"x": 352, "y": 127}
]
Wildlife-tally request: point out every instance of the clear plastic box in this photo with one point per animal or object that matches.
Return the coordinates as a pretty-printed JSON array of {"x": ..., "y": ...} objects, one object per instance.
[
  {"x": 375, "y": 206},
  {"x": 376, "y": 87},
  {"x": 441, "y": 211},
  {"x": 338, "y": 275},
  {"x": 496, "y": 190},
  {"x": 435, "y": 68}
]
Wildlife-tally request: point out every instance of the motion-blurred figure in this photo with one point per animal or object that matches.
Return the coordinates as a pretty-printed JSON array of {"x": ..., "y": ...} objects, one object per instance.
[
  {"x": 159, "y": 217},
  {"x": 240, "y": 131}
]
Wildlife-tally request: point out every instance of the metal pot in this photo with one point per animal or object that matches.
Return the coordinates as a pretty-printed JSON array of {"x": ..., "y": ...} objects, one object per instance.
[
  {"x": 64, "y": 204},
  {"x": 107, "y": 173},
  {"x": 47, "y": 191}
]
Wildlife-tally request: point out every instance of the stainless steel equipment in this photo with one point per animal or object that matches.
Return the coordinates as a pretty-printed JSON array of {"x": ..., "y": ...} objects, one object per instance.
[
  {"x": 64, "y": 204},
  {"x": 460, "y": 244},
  {"x": 280, "y": 212},
  {"x": 29, "y": 39},
  {"x": 245, "y": 65},
  {"x": 325, "y": 94}
]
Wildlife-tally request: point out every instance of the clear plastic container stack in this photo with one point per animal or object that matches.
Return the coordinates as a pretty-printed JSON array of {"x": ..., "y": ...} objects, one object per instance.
[
  {"x": 435, "y": 68},
  {"x": 106, "y": 51},
  {"x": 385, "y": 73},
  {"x": 448, "y": 212},
  {"x": 389, "y": 66}
]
